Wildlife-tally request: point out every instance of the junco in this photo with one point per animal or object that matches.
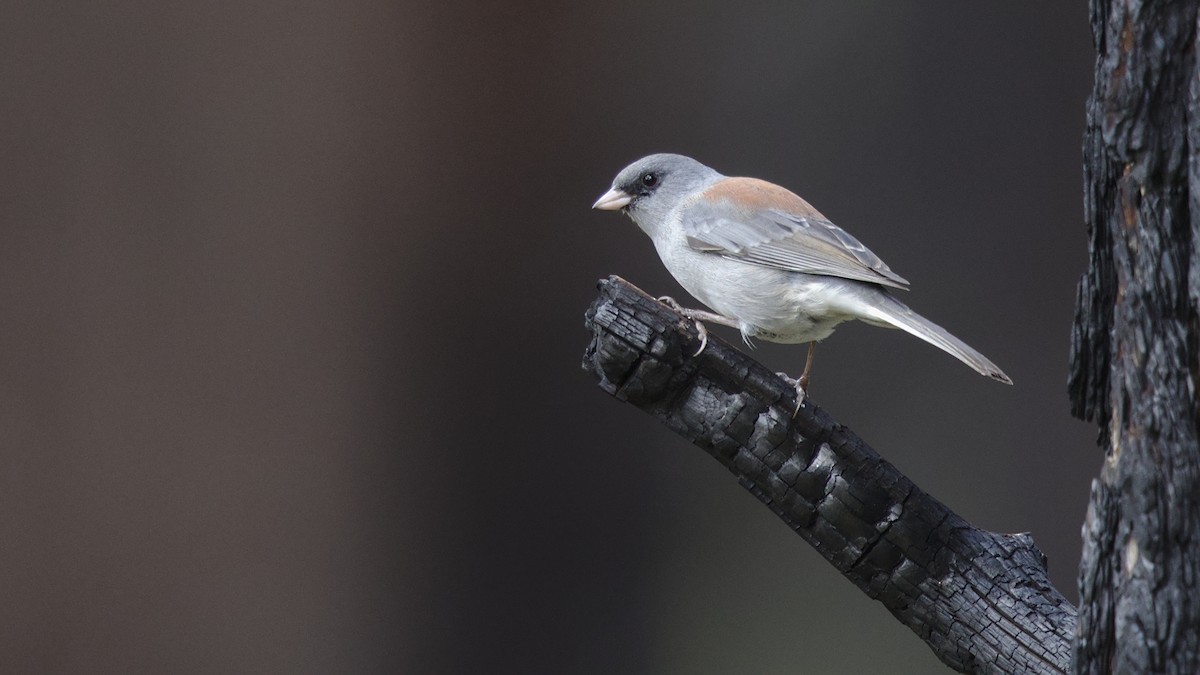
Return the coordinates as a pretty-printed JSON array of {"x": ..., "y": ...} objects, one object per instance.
[{"x": 768, "y": 262}]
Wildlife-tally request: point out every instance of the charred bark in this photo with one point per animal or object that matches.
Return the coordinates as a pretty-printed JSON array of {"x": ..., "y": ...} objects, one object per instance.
[
  {"x": 1136, "y": 343},
  {"x": 981, "y": 600}
]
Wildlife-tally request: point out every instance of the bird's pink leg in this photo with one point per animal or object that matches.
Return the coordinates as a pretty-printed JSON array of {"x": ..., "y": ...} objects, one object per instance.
[
  {"x": 803, "y": 381},
  {"x": 801, "y": 384}
]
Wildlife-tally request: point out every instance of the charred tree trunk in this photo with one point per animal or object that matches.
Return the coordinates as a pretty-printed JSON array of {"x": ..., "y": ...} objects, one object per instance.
[{"x": 1136, "y": 343}]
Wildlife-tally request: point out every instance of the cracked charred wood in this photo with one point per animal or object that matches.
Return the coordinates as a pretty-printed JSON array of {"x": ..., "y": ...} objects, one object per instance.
[
  {"x": 1136, "y": 343},
  {"x": 981, "y": 600}
]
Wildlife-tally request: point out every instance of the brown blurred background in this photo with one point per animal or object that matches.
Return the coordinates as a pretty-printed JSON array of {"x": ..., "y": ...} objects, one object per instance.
[{"x": 293, "y": 293}]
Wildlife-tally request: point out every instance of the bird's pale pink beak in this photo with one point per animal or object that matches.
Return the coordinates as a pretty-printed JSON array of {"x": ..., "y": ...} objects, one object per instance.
[{"x": 612, "y": 200}]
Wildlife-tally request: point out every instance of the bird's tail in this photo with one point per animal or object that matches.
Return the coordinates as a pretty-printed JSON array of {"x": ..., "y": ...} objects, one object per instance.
[{"x": 895, "y": 314}]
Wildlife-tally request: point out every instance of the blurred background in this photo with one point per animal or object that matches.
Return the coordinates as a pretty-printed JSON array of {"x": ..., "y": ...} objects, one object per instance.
[{"x": 293, "y": 296}]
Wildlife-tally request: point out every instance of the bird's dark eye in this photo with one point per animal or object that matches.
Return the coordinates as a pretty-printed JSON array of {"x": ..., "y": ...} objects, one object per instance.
[{"x": 649, "y": 179}]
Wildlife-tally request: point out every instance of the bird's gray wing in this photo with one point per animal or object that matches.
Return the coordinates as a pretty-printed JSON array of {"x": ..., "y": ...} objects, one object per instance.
[{"x": 761, "y": 223}]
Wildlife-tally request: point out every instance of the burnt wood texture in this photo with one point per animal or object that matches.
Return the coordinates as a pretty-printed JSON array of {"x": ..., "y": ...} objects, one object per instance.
[
  {"x": 1136, "y": 343},
  {"x": 980, "y": 600}
]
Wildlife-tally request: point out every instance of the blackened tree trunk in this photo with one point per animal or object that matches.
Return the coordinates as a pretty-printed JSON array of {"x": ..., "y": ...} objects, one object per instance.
[{"x": 1136, "y": 343}]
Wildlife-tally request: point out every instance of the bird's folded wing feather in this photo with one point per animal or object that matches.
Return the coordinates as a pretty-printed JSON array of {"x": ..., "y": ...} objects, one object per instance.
[{"x": 761, "y": 223}]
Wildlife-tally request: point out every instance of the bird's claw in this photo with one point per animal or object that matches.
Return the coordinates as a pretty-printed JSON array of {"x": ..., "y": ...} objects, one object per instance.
[
  {"x": 701, "y": 331},
  {"x": 801, "y": 388},
  {"x": 801, "y": 396}
]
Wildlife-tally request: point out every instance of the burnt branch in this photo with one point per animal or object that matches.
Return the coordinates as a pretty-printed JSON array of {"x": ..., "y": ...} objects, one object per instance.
[{"x": 981, "y": 600}]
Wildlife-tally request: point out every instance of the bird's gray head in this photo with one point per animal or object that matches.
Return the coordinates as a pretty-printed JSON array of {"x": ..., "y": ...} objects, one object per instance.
[{"x": 651, "y": 187}]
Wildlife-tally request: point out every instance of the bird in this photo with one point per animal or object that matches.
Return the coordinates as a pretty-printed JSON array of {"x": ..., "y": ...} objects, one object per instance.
[{"x": 765, "y": 261}]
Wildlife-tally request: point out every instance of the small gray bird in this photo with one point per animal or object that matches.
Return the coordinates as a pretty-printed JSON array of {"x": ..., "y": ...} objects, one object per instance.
[{"x": 768, "y": 262}]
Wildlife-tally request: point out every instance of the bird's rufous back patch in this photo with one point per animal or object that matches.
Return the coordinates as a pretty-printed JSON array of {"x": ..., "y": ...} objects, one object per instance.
[{"x": 752, "y": 193}]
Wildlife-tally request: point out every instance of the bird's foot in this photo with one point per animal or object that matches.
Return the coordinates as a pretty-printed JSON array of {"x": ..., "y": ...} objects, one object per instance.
[
  {"x": 801, "y": 386},
  {"x": 701, "y": 331}
]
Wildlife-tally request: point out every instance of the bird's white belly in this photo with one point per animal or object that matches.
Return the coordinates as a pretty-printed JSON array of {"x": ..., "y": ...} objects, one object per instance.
[{"x": 768, "y": 303}]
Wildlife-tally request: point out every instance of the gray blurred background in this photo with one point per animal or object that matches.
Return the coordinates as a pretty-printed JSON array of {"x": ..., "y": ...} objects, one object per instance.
[{"x": 293, "y": 295}]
